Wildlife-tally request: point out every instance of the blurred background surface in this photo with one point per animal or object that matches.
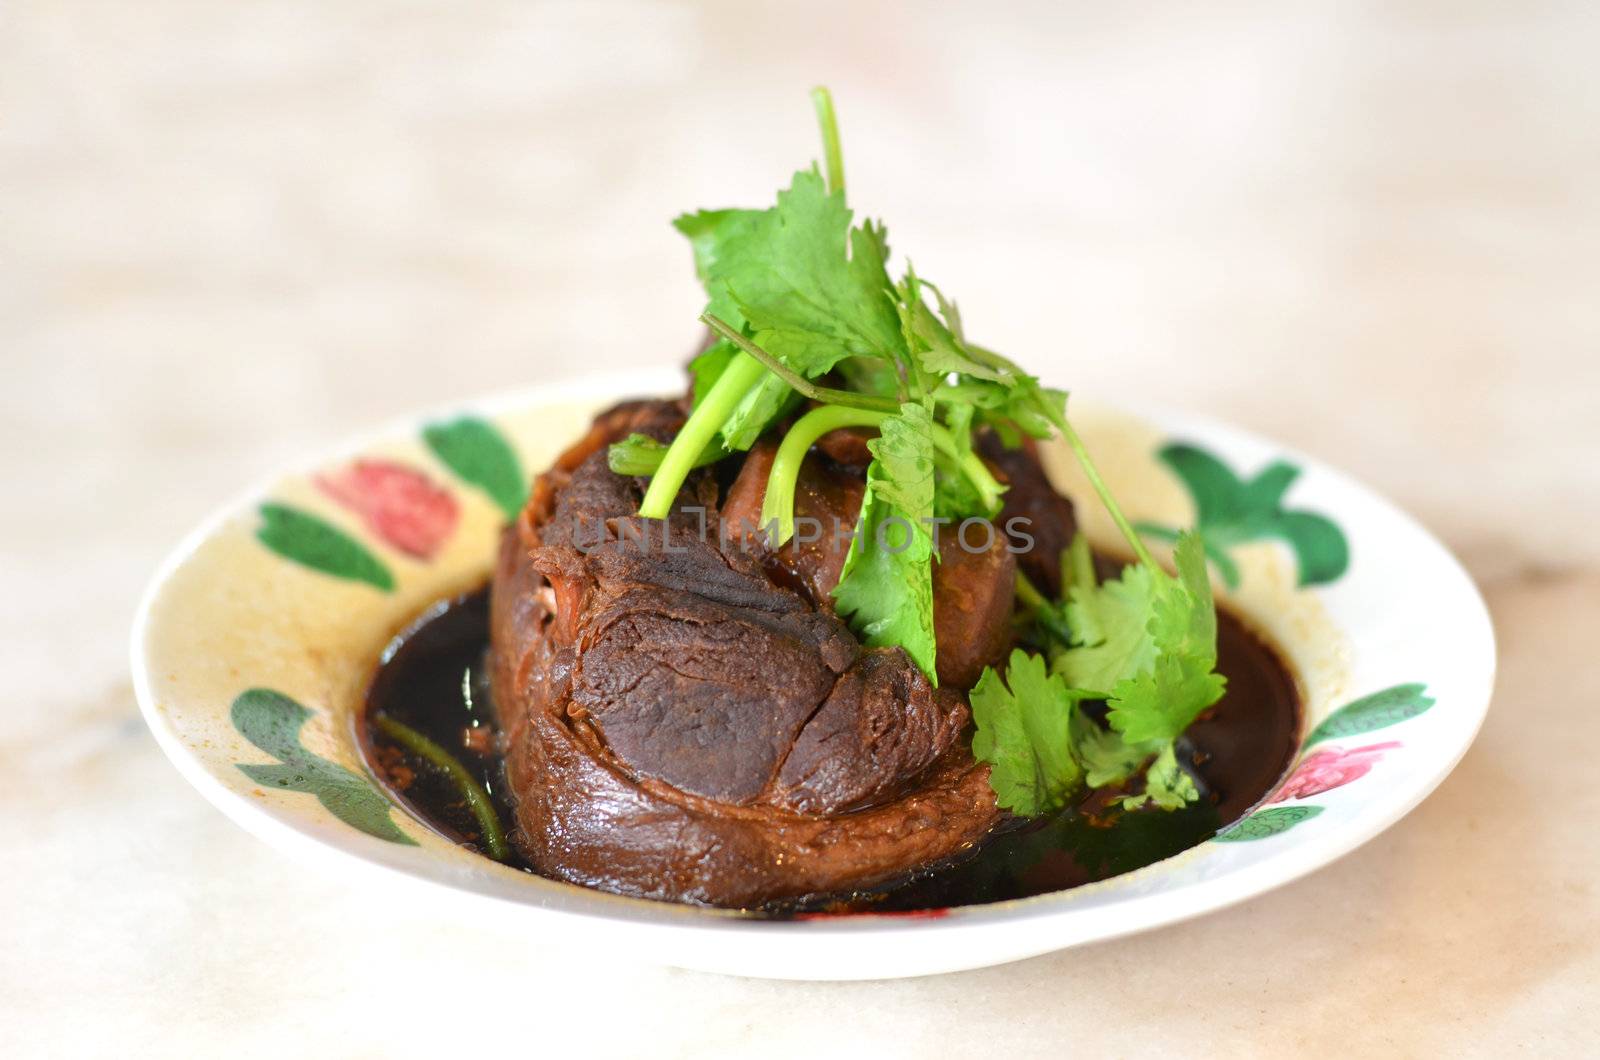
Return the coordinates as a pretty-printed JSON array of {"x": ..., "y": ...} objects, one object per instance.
[{"x": 231, "y": 234}]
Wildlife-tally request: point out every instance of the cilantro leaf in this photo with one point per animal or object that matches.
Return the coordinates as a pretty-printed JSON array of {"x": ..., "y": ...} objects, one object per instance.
[
  {"x": 710, "y": 232},
  {"x": 954, "y": 495},
  {"x": 938, "y": 341},
  {"x": 708, "y": 366},
  {"x": 1146, "y": 633},
  {"x": 1042, "y": 748},
  {"x": 1024, "y": 732},
  {"x": 1110, "y": 625},
  {"x": 1106, "y": 757},
  {"x": 767, "y": 402},
  {"x": 937, "y": 347},
  {"x": 1146, "y": 642},
  {"x": 713, "y": 234},
  {"x": 886, "y": 586},
  {"x": 1165, "y": 784},
  {"x": 813, "y": 289},
  {"x": 1159, "y": 702}
]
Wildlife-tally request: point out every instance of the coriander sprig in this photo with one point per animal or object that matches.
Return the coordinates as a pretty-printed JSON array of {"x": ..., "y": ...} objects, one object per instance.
[{"x": 803, "y": 308}]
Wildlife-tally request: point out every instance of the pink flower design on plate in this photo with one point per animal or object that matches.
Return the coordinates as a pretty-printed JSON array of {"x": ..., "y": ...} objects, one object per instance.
[
  {"x": 399, "y": 504},
  {"x": 1330, "y": 768}
]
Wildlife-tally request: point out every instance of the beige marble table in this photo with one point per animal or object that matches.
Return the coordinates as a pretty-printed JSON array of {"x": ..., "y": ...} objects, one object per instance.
[{"x": 232, "y": 233}]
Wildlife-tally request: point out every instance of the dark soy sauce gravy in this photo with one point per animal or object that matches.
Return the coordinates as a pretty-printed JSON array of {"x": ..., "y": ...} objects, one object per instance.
[{"x": 432, "y": 678}]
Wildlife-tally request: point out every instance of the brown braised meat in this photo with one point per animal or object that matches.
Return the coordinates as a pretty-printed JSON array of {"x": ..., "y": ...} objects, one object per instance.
[
  {"x": 973, "y": 582},
  {"x": 1050, "y": 524},
  {"x": 686, "y": 717}
]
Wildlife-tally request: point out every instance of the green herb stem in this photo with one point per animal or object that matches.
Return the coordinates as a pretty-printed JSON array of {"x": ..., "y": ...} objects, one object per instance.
[
  {"x": 972, "y": 468},
  {"x": 1077, "y": 566},
  {"x": 823, "y": 100},
  {"x": 640, "y": 454},
  {"x": 742, "y": 373},
  {"x": 777, "y": 508},
  {"x": 1100, "y": 487},
  {"x": 799, "y": 383},
  {"x": 494, "y": 840},
  {"x": 1039, "y": 610},
  {"x": 1028, "y": 595}
]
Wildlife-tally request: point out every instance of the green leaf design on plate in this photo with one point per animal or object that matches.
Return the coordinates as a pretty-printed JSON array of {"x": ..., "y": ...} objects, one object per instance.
[
  {"x": 311, "y": 542},
  {"x": 1377, "y": 711},
  {"x": 272, "y": 721},
  {"x": 1230, "y": 511},
  {"x": 1266, "y": 823},
  {"x": 479, "y": 454}
]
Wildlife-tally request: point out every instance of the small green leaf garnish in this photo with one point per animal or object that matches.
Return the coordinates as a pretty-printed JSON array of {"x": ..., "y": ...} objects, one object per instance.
[
  {"x": 886, "y": 587},
  {"x": 1148, "y": 643},
  {"x": 1024, "y": 731},
  {"x": 1108, "y": 760},
  {"x": 1145, "y": 643},
  {"x": 1165, "y": 784}
]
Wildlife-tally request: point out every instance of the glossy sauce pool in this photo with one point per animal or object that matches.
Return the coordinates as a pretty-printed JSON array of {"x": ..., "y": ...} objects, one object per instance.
[{"x": 432, "y": 678}]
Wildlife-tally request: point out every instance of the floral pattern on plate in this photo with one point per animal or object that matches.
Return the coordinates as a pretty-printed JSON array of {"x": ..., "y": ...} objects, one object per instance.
[
  {"x": 1333, "y": 767},
  {"x": 399, "y": 504},
  {"x": 1230, "y": 510}
]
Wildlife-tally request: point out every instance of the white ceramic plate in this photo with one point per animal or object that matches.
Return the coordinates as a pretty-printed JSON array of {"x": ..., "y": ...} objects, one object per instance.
[{"x": 255, "y": 641}]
